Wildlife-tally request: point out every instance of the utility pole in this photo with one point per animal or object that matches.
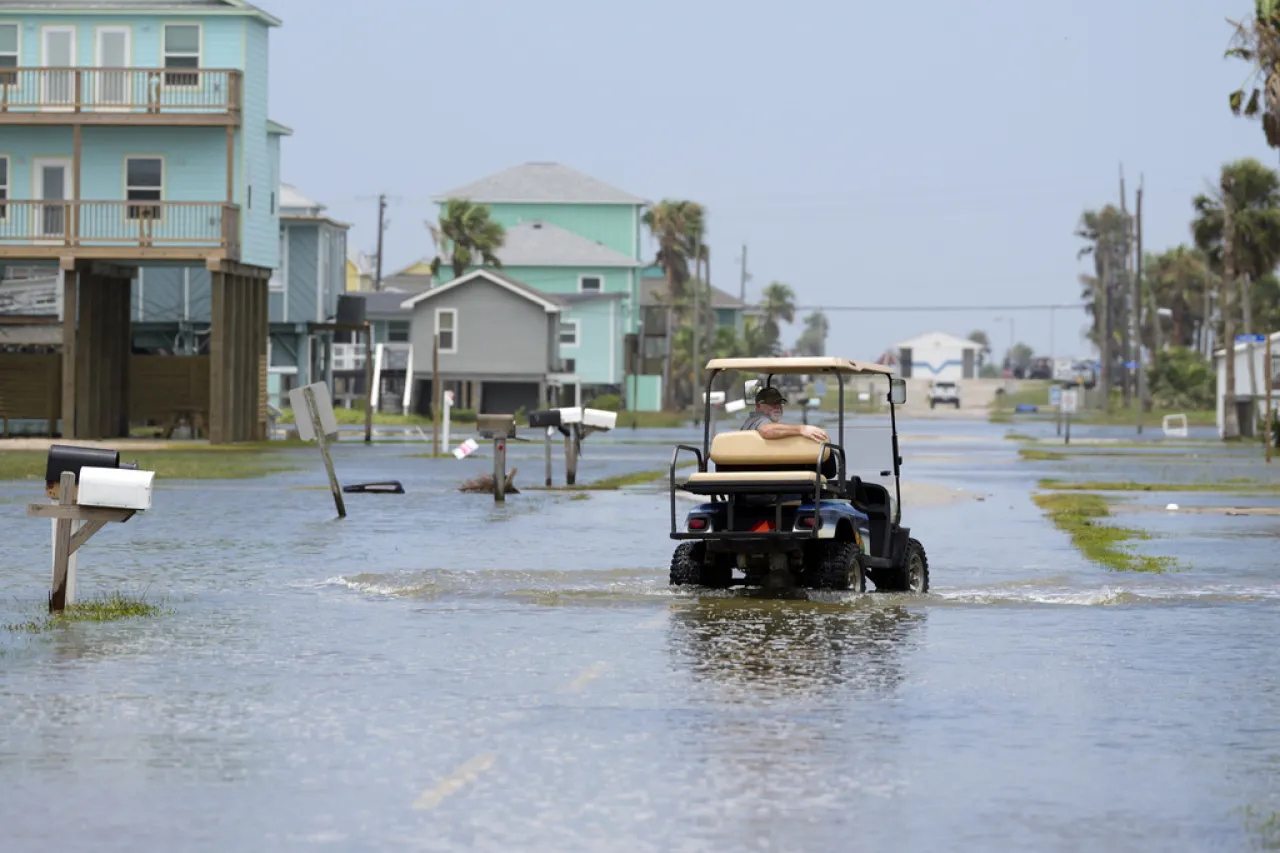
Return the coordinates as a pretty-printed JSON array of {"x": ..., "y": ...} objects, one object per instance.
[
  {"x": 1123, "y": 275},
  {"x": 1137, "y": 308},
  {"x": 742, "y": 284},
  {"x": 696, "y": 325},
  {"x": 1230, "y": 414},
  {"x": 382, "y": 209}
]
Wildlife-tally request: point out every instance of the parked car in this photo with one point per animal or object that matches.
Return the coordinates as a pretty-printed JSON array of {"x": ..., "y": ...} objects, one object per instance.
[{"x": 947, "y": 393}]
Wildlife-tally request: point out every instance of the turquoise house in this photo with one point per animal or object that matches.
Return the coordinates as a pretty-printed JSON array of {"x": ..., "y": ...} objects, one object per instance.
[
  {"x": 575, "y": 237},
  {"x": 136, "y": 136}
]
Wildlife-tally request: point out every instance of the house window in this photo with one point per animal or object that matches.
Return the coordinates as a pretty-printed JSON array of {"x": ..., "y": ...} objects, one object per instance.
[
  {"x": 143, "y": 181},
  {"x": 8, "y": 54},
  {"x": 568, "y": 333},
  {"x": 273, "y": 203},
  {"x": 447, "y": 329},
  {"x": 568, "y": 365},
  {"x": 4, "y": 187},
  {"x": 278, "y": 274},
  {"x": 590, "y": 284},
  {"x": 398, "y": 332},
  {"x": 181, "y": 50}
]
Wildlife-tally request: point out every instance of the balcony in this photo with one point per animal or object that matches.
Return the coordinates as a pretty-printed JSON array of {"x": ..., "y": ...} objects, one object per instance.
[
  {"x": 113, "y": 230},
  {"x": 120, "y": 96}
]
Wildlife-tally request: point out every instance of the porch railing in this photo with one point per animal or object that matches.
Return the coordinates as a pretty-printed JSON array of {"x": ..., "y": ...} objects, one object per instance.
[
  {"x": 121, "y": 223},
  {"x": 121, "y": 90}
]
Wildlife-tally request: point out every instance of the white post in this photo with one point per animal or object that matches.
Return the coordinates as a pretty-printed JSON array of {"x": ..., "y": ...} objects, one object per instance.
[
  {"x": 408, "y": 382},
  {"x": 377, "y": 377},
  {"x": 444, "y": 430}
]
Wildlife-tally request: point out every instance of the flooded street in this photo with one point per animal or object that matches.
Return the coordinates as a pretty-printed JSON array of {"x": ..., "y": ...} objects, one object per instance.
[{"x": 437, "y": 673}]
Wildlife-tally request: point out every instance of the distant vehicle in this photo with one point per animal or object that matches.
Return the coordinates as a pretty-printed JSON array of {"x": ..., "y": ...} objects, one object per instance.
[
  {"x": 1064, "y": 370},
  {"x": 1041, "y": 368},
  {"x": 947, "y": 393}
]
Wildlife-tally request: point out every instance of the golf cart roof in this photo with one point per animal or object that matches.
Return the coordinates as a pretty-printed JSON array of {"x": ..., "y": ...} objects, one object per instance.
[{"x": 779, "y": 366}]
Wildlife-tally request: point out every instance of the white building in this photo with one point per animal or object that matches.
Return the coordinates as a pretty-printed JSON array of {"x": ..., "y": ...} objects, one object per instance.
[
  {"x": 1251, "y": 396},
  {"x": 938, "y": 355}
]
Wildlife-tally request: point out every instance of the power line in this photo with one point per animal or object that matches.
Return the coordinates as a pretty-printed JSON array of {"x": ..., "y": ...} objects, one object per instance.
[{"x": 885, "y": 308}]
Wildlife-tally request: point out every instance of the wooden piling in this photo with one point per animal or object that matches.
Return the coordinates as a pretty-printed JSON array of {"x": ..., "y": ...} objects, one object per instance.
[
  {"x": 499, "y": 470},
  {"x": 62, "y": 544},
  {"x": 571, "y": 456},
  {"x": 546, "y": 441}
]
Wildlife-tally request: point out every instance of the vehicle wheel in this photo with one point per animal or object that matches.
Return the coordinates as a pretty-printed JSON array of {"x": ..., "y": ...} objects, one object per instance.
[
  {"x": 838, "y": 566},
  {"x": 912, "y": 576},
  {"x": 689, "y": 567}
]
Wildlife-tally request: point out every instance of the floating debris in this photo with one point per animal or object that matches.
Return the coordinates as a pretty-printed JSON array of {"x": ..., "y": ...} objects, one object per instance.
[{"x": 484, "y": 484}]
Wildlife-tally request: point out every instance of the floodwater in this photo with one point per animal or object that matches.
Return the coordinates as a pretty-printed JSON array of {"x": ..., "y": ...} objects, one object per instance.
[{"x": 437, "y": 673}]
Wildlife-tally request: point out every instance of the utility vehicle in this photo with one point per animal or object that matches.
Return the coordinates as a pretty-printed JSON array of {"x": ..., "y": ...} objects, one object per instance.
[
  {"x": 942, "y": 391},
  {"x": 785, "y": 511}
]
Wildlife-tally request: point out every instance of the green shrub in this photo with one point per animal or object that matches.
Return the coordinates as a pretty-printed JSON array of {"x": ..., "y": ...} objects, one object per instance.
[
  {"x": 1183, "y": 379},
  {"x": 607, "y": 403}
]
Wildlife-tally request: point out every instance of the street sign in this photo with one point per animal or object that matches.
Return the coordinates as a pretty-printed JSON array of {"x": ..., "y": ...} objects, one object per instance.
[
  {"x": 1070, "y": 400},
  {"x": 1251, "y": 339},
  {"x": 1055, "y": 395},
  {"x": 448, "y": 400}
]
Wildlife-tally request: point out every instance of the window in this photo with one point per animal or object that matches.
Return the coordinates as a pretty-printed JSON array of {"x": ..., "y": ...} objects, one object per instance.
[
  {"x": 143, "y": 181},
  {"x": 8, "y": 54},
  {"x": 181, "y": 50},
  {"x": 447, "y": 329},
  {"x": 273, "y": 203},
  {"x": 590, "y": 284},
  {"x": 398, "y": 332},
  {"x": 4, "y": 187},
  {"x": 568, "y": 365},
  {"x": 278, "y": 274},
  {"x": 568, "y": 333}
]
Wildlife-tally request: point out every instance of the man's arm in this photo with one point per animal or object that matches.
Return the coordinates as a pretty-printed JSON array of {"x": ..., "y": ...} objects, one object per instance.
[{"x": 772, "y": 430}]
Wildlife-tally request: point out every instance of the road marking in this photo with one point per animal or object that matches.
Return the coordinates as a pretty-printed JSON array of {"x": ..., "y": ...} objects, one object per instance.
[
  {"x": 588, "y": 675},
  {"x": 455, "y": 781}
]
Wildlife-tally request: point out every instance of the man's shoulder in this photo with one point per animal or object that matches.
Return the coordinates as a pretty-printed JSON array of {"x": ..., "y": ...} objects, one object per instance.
[{"x": 754, "y": 421}]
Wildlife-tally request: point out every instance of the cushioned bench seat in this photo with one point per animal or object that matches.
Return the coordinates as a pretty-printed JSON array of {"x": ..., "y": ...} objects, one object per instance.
[{"x": 772, "y": 466}]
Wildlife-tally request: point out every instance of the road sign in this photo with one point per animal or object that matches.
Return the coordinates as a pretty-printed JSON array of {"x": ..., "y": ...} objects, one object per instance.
[
  {"x": 1131, "y": 365},
  {"x": 1055, "y": 395},
  {"x": 820, "y": 388},
  {"x": 1251, "y": 339},
  {"x": 448, "y": 400},
  {"x": 1070, "y": 400}
]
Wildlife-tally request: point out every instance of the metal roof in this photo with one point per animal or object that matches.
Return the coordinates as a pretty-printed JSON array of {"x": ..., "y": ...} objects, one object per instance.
[
  {"x": 138, "y": 7},
  {"x": 780, "y": 366},
  {"x": 551, "y": 183},
  {"x": 541, "y": 244},
  {"x": 548, "y": 301}
]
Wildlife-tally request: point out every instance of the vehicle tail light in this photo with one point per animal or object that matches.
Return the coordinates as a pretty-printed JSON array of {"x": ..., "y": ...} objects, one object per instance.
[
  {"x": 697, "y": 523},
  {"x": 805, "y": 521}
]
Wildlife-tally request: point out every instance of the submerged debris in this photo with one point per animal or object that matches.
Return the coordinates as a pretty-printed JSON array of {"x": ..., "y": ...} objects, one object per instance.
[{"x": 484, "y": 484}]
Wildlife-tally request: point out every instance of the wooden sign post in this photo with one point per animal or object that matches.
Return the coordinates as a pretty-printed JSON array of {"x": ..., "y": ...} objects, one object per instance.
[
  {"x": 315, "y": 420},
  {"x": 499, "y": 470},
  {"x": 66, "y": 541}
]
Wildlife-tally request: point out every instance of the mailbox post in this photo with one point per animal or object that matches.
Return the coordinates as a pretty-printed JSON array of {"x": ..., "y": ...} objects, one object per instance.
[
  {"x": 546, "y": 420},
  {"x": 90, "y": 485},
  {"x": 500, "y": 428}
]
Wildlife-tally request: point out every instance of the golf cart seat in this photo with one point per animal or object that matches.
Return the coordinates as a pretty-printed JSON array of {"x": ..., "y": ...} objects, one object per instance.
[{"x": 746, "y": 462}]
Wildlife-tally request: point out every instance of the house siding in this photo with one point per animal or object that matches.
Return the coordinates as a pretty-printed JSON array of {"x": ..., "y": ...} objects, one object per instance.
[
  {"x": 221, "y": 37},
  {"x": 610, "y": 224},
  {"x": 260, "y": 227},
  {"x": 304, "y": 265},
  {"x": 598, "y": 355},
  {"x": 498, "y": 333}
]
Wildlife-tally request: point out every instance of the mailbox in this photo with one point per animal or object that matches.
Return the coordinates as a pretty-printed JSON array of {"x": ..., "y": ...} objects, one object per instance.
[
  {"x": 496, "y": 426},
  {"x": 572, "y": 415},
  {"x": 599, "y": 419},
  {"x": 545, "y": 418},
  {"x": 116, "y": 488},
  {"x": 69, "y": 457}
]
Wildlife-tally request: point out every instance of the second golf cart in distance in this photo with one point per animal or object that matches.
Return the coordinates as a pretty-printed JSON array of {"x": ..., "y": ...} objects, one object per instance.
[{"x": 785, "y": 510}]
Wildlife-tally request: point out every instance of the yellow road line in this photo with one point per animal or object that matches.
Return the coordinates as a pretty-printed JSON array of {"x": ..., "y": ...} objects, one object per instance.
[
  {"x": 588, "y": 675},
  {"x": 455, "y": 781}
]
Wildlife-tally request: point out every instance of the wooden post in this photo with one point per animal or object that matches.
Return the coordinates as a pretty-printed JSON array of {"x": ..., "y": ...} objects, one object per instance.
[
  {"x": 571, "y": 456},
  {"x": 69, "y": 360},
  {"x": 322, "y": 440},
  {"x": 435, "y": 394},
  {"x": 1068, "y": 438},
  {"x": 1267, "y": 436},
  {"x": 499, "y": 470},
  {"x": 62, "y": 544},
  {"x": 368, "y": 382}
]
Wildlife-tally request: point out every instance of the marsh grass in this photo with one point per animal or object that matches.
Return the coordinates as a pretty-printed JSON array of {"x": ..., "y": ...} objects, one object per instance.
[
  {"x": 1235, "y": 484},
  {"x": 109, "y": 607},
  {"x": 1079, "y": 514},
  {"x": 219, "y": 463}
]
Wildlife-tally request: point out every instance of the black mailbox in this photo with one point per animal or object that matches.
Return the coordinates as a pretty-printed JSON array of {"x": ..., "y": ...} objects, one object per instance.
[
  {"x": 544, "y": 418},
  {"x": 66, "y": 457}
]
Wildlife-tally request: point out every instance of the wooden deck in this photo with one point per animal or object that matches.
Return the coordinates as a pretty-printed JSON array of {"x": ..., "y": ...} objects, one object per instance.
[{"x": 205, "y": 97}]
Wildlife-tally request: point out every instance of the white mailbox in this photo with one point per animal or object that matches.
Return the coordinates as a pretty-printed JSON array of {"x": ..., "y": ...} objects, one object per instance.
[
  {"x": 115, "y": 487},
  {"x": 599, "y": 419},
  {"x": 570, "y": 416}
]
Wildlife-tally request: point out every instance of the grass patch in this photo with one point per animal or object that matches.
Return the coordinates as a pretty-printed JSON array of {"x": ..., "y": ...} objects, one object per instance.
[
  {"x": 355, "y": 417},
  {"x": 618, "y": 481},
  {"x": 1126, "y": 415},
  {"x": 1078, "y": 515},
  {"x": 1032, "y": 392},
  {"x": 653, "y": 420},
  {"x": 231, "y": 463},
  {"x": 1032, "y": 454},
  {"x": 1019, "y": 436},
  {"x": 1232, "y": 485},
  {"x": 104, "y": 608}
]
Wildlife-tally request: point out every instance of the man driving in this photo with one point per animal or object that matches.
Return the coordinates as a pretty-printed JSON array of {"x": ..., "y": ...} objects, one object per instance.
[{"x": 765, "y": 419}]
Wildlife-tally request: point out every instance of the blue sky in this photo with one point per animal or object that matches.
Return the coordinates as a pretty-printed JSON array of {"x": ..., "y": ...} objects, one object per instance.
[{"x": 927, "y": 154}]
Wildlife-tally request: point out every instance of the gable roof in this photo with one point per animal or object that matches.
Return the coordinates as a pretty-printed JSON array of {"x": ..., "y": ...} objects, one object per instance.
[
  {"x": 541, "y": 244},
  {"x": 292, "y": 200},
  {"x": 421, "y": 267},
  {"x": 140, "y": 7},
  {"x": 938, "y": 339},
  {"x": 550, "y": 183},
  {"x": 549, "y": 303},
  {"x": 275, "y": 128},
  {"x": 653, "y": 292}
]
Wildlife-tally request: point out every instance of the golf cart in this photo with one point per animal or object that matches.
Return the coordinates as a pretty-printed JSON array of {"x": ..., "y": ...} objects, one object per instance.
[{"x": 785, "y": 511}]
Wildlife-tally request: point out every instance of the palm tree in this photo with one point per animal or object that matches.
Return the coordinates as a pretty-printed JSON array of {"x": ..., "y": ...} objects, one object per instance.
[
  {"x": 1238, "y": 228},
  {"x": 677, "y": 226},
  {"x": 1175, "y": 280},
  {"x": 1106, "y": 233},
  {"x": 465, "y": 233},
  {"x": 1257, "y": 42},
  {"x": 813, "y": 340},
  {"x": 778, "y": 305}
]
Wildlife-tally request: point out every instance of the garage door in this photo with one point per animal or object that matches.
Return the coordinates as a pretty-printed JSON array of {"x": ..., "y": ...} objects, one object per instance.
[{"x": 506, "y": 398}]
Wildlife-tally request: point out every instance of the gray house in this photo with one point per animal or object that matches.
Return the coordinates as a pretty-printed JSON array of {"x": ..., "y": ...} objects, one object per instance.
[
  {"x": 171, "y": 305},
  {"x": 499, "y": 343}
]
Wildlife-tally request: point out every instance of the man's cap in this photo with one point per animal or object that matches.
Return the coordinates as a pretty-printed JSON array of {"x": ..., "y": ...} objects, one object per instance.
[{"x": 770, "y": 395}]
